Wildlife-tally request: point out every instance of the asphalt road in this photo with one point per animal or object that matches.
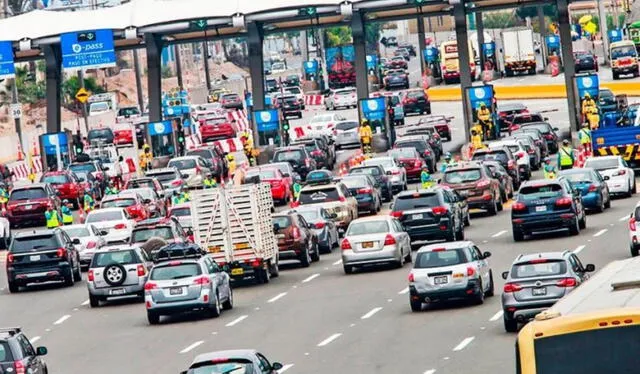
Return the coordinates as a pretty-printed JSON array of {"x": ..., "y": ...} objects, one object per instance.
[{"x": 313, "y": 320}]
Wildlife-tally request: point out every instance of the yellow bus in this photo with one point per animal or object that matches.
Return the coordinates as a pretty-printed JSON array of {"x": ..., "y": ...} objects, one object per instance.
[{"x": 593, "y": 330}]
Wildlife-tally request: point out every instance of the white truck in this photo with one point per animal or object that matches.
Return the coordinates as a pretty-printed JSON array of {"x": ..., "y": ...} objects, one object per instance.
[
  {"x": 234, "y": 224},
  {"x": 518, "y": 51}
]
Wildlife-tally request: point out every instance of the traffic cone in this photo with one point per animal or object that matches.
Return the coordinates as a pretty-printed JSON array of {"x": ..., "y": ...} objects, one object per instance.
[
  {"x": 81, "y": 215},
  {"x": 35, "y": 151},
  {"x": 20, "y": 153}
]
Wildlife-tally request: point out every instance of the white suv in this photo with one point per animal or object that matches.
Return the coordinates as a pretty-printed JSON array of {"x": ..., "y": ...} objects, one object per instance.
[{"x": 620, "y": 178}]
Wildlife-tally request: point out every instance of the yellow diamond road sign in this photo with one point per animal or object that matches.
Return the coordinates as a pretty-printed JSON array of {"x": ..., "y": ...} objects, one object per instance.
[{"x": 82, "y": 95}]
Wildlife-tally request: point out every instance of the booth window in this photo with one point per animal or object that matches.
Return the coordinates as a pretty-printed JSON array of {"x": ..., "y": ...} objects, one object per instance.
[{"x": 162, "y": 145}]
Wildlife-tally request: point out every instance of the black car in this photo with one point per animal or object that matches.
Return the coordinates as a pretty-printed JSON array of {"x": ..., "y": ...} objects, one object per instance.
[
  {"x": 396, "y": 79},
  {"x": 17, "y": 355},
  {"x": 506, "y": 113},
  {"x": 585, "y": 62},
  {"x": 289, "y": 106},
  {"x": 428, "y": 154},
  {"x": 102, "y": 135},
  {"x": 504, "y": 156},
  {"x": 607, "y": 101},
  {"x": 315, "y": 150},
  {"x": 432, "y": 214},
  {"x": 548, "y": 132},
  {"x": 392, "y": 41},
  {"x": 381, "y": 178},
  {"x": 416, "y": 102},
  {"x": 409, "y": 47},
  {"x": 427, "y": 133},
  {"x": 298, "y": 157},
  {"x": 291, "y": 81},
  {"x": 271, "y": 85},
  {"x": 538, "y": 139},
  {"x": 141, "y": 130},
  {"x": 544, "y": 206},
  {"x": 363, "y": 188},
  {"x": 42, "y": 256}
]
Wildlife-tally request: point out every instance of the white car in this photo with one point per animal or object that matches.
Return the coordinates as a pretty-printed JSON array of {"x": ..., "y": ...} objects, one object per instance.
[
  {"x": 6, "y": 233},
  {"x": 342, "y": 98},
  {"x": 278, "y": 67},
  {"x": 325, "y": 123},
  {"x": 183, "y": 213},
  {"x": 347, "y": 134},
  {"x": 620, "y": 178},
  {"x": 193, "y": 166},
  {"x": 91, "y": 240},
  {"x": 397, "y": 174},
  {"x": 116, "y": 222},
  {"x": 297, "y": 92},
  {"x": 634, "y": 231},
  {"x": 519, "y": 152}
]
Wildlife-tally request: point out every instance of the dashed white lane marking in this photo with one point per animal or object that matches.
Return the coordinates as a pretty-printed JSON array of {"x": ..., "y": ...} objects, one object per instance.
[
  {"x": 499, "y": 233},
  {"x": 600, "y": 233},
  {"x": 192, "y": 346},
  {"x": 237, "y": 320},
  {"x": 337, "y": 262},
  {"x": 62, "y": 319},
  {"x": 496, "y": 316},
  {"x": 371, "y": 313},
  {"x": 404, "y": 291},
  {"x": 86, "y": 302},
  {"x": 277, "y": 297},
  {"x": 285, "y": 368},
  {"x": 34, "y": 339},
  {"x": 622, "y": 219},
  {"x": 311, "y": 277},
  {"x": 329, "y": 339},
  {"x": 430, "y": 371},
  {"x": 465, "y": 342},
  {"x": 579, "y": 249}
]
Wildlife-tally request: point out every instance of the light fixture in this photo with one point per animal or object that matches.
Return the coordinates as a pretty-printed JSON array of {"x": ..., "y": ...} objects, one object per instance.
[
  {"x": 238, "y": 21},
  {"x": 346, "y": 9},
  {"x": 25, "y": 44},
  {"x": 131, "y": 33}
]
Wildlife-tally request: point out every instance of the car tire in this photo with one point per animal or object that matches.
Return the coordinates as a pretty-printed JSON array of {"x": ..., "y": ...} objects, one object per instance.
[
  {"x": 583, "y": 221},
  {"x": 451, "y": 237},
  {"x": 94, "y": 301},
  {"x": 68, "y": 279},
  {"x": 491, "y": 291},
  {"x": 607, "y": 204},
  {"x": 116, "y": 282},
  {"x": 416, "y": 306},
  {"x": 13, "y": 288},
  {"x": 228, "y": 304},
  {"x": 479, "y": 298},
  {"x": 601, "y": 207},
  {"x": 274, "y": 270},
  {"x": 153, "y": 318},
  {"x": 517, "y": 235},
  {"x": 634, "y": 250},
  {"x": 493, "y": 209},
  {"x": 429, "y": 109},
  {"x": 77, "y": 273},
  {"x": 467, "y": 219},
  {"x": 510, "y": 325},
  {"x": 347, "y": 269},
  {"x": 315, "y": 256},
  {"x": 408, "y": 258},
  {"x": 500, "y": 206},
  {"x": 575, "y": 229},
  {"x": 389, "y": 196},
  {"x": 215, "y": 310},
  {"x": 460, "y": 234},
  {"x": 305, "y": 260}
]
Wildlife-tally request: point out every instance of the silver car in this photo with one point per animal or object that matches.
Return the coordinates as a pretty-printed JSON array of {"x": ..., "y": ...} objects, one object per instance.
[
  {"x": 91, "y": 240},
  {"x": 185, "y": 279},
  {"x": 170, "y": 179},
  {"x": 116, "y": 272},
  {"x": 397, "y": 174},
  {"x": 194, "y": 167},
  {"x": 375, "y": 240},
  {"x": 342, "y": 98},
  {"x": 447, "y": 271},
  {"x": 347, "y": 134}
]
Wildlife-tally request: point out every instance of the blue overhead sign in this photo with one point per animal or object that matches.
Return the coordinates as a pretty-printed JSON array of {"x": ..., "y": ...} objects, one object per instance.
[
  {"x": 160, "y": 128},
  {"x": 372, "y": 62},
  {"x": 374, "y": 109},
  {"x": 267, "y": 120},
  {"x": 553, "y": 41},
  {"x": 7, "y": 69},
  {"x": 588, "y": 84},
  {"x": 430, "y": 54},
  {"x": 88, "y": 49},
  {"x": 480, "y": 95},
  {"x": 51, "y": 142},
  {"x": 311, "y": 67},
  {"x": 615, "y": 35}
]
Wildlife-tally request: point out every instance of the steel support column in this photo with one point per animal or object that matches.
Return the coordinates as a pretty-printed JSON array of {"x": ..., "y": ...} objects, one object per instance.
[
  {"x": 480, "y": 38},
  {"x": 359, "y": 44},
  {"x": 153, "y": 44},
  {"x": 543, "y": 28},
  {"x": 568, "y": 63},
  {"x": 422, "y": 45},
  {"x": 602, "y": 16},
  {"x": 462, "y": 39},
  {"x": 176, "y": 53},
  {"x": 53, "y": 72},
  {"x": 255, "y": 39},
  {"x": 136, "y": 68},
  {"x": 205, "y": 57}
]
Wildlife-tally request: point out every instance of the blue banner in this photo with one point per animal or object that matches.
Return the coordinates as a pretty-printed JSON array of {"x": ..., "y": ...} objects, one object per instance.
[
  {"x": 372, "y": 62},
  {"x": 479, "y": 95},
  {"x": 88, "y": 49},
  {"x": 489, "y": 49},
  {"x": 374, "y": 109},
  {"x": 615, "y": 35},
  {"x": 50, "y": 142},
  {"x": 430, "y": 54},
  {"x": 7, "y": 68},
  {"x": 267, "y": 120},
  {"x": 553, "y": 41},
  {"x": 588, "y": 84},
  {"x": 160, "y": 128},
  {"x": 311, "y": 67}
]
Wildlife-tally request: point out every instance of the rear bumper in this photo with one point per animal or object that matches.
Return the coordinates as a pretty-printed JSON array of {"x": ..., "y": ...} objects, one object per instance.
[
  {"x": 176, "y": 307},
  {"x": 591, "y": 200},
  {"x": 215, "y": 135},
  {"x": 477, "y": 202},
  {"x": 547, "y": 223},
  {"x": 109, "y": 291},
  {"x": 385, "y": 255},
  {"x": 25, "y": 218},
  {"x": 625, "y": 69},
  {"x": 618, "y": 186},
  {"x": 471, "y": 289},
  {"x": 524, "y": 312},
  {"x": 23, "y": 277},
  {"x": 291, "y": 251},
  {"x": 366, "y": 204},
  {"x": 428, "y": 232}
]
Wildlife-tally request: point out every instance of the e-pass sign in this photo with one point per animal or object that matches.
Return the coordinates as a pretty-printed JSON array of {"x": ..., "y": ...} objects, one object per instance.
[
  {"x": 7, "y": 69},
  {"x": 88, "y": 49}
]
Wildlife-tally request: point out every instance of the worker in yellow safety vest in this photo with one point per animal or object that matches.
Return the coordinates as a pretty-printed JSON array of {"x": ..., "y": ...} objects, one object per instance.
[
  {"x": 484, "y": 120},
  {"x": 585, "y": 138},
  {"x": 565, "y": 156},
  {"x": 52, "y": 217},
  {"x": 231, "y": 163},
  {"x": 587, "y": 107},
  {"x": 476, "y": 140},
  {"x": 365, "y": 134},
  {"x": 145, "y": 158},
  {"x": 67, "y": 216},
  {"x": 209, "y": 181}
]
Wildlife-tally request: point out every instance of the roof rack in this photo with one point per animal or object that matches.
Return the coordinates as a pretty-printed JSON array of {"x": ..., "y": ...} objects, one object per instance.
[
  {"x": 11, "y": 330},
  {"x": 178, "y": 251}
]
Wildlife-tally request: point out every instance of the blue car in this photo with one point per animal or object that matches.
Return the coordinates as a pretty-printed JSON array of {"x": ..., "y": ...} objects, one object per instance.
[{"x": 594, "y": 190}]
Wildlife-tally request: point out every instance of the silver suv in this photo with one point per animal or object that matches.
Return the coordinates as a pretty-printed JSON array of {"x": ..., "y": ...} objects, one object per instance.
[
  {"x": 184, "y": 279},
  {"x": 447, "y": 271},
  {"x": 536, "y": 281},
  {"x": 115, "y": 272}
]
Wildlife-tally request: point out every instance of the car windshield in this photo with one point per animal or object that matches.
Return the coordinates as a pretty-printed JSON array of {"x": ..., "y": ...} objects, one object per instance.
[
  {"x": 462, "y": 176},
  {"x": 538, "y": 268},
  {"x": 527, "y": 118},
  {"x": 33, "y": 243},
  {"x": 164, "y": 177},
  {"x": 602, "y": 164},
  {"x": 355, "y": 182},
  {"x": 145, "y": 192},
  {"x": 141, "y": 235},
  {"x": 100, "y": 133},
  {"x": 229, "y": 366},
  {"x": 5, "y": 352},
  {"x": 544, "y": 128},
  {"x": 624, "y": 51},
  {"x": 384, "y": 162},
  {"x": 345, "y": 92},
  {"x": 367, "y": 228},
  {"x": 139, "y": 184},
  {"x": 492, "y": 156},
  {"x": 324, "y": 195},
  {"x": 264, "y": 174},
  {"x": 409, "y": 202},
  {"x": 418, "y": 145},
  {"x": 181, "y": 212},
  {"x": 402, "y": 153},
  {"x": 440, "y": 258},
  {"x": 98, "y": 107},
  {"x": 28, "y": 194},
  {"x": 578, "y": 177},
  {"x": 415, "y": 94},
  {"x": 128, "y": 111},
  {"x": 183, "y": 164},
  {"x": 289, "y": 155},
  {"x": 100, "y": 216},
  {"x": 83, "y": 168},
  {"x": 282, "y": 221},
  {"x": 345, "y": 126},
  {"x": 204, "y": 153},
  {"x": 371, "y": 171},
  {"x": 118, "y": 203},
  {"x": 56, "y": 179},
  {"x": 175, "y": 272},
  {"x": 293, "y": 90},
  {"x": 76, "y": 232},
  {"x": 543, "y": 191},
  {"x": 102, "y": 259}
]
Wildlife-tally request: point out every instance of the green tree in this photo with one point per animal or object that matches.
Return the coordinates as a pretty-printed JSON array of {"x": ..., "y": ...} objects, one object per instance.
[
  {"x": 372, "y": 36},
  {"x": 499, "y": 20},
  {"x": 337, "y": 36},
  {"x": 549, "y": 10},
  {"x": 71, "y": 86}
]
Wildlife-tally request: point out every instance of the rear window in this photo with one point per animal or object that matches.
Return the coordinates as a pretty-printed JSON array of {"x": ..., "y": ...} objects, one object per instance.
[
  {"x": 264, "y": 174},
  {"x": 5, "y": 352},
  {"x": 544, "y": 128},
  {"x": 344, "y": 126},
  {"x": 100, "y": 133},
  {"x": 128, "y": 112},
  {"x": 34, "y": 243},
  {"x": 528, "y": 118},
  {"x": 102, "y": 259},
  {"x": 367, "y": 228},
  {"x": 289, "y": 155},
  {"x": 235, "y": 366},
  {"x": 578, "y": 177},
  {"x": 310, "y": 147},
  {"x": 140, "y": 183},
  {"x": 56, "y": 179},
  {"x": 371, "y": 171},
  {"x": 143, "y": 234},
  {"x": 183, "y": 164},
  {"x": 86, "y": 168},
  {"x": 439, "y": 258},
  {"x": 345, "y": 92},
  {"x": 409, "y": 202},
  {"x": 28, "y": 194},
  {"x": 310, "y": 215},
  {"x": 230, "y": 97},
  {"x": 415, "y": 94},
  {"x": 543, "y": 268},
  {"x": 76, "y": 232},
  {"x": 602, "y": 164},
  {"x": 176, "y": 272},
  {"x": 402, "y": 153},
  {"x": 164, "y": 177},
  {"x": 355, "y": 182},
  {"x": 324, "y": 195},
  {"x": 118, "y": 203},
  {"x": 204, "y": 153},
  {"x": 99, "y": 216},
  {"x": 500, "y": 156},
  {"x": 384, "y": 162},
  {"x": 462, "y": 176},
  {"x": 544, "y": 191},
  {"x": 282, "y": 221},
  {"x": 181, "y": 212},
  {"x": 418, "y": 145}
]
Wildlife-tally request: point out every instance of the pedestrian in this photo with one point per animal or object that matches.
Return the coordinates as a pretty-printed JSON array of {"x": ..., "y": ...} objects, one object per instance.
[
  {"x": 548, "y": 169},
  {"x": 176, "y": 198},
  {"x": 446, "y": 163},
  {"x": 566, "y": 157},
  {"x": 111, "y": 189},
  {"x": 67, "y": 216},
  {"x": 52, "y": 217},
  {"x": 88, "y": 202},
  {"x": 184, "y": 196},
  {"x": 297, "y": 187},
  {"x": 585, "y": 138},
  {"x": 4, "y": 196},
  {"x": 476, "y": 141},
  {"x": 117, "y": 169},
  {"x": 209, "y": 181},
  {"x": 231, "y": 163},
  {"x": 146, "y": 157},
  {"x": 365, "y": 134},
  {"x": 425, "y": 178}
]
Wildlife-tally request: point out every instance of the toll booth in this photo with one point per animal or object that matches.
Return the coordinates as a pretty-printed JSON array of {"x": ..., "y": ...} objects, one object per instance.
[
  {"x": 587, "y": 83},
  {"x": 268, "y": 125},
  {"x": 552, "y": 43},
  {"x": 372, "y": 68},
  {"x": 176, "y": 108},
  {"x": 432, "y": 60},
  {"x": 375, "y": 111},
  {"x": 56, "y": 150},
  {"x": 489, "y": 53},
  {"x": 477, "y": 97},
  {"x": 311, "y": 70},
  {"x": 615, "y": 35},
  {"x": 161, "y": 137}
]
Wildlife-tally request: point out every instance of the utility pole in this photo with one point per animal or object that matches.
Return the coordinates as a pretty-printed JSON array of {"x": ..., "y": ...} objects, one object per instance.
[
  {"x": 84, "y": 105},
  {"x": 205, "y": 58},
  {"x": 136, "y": 68},
  {"x": 16, "y": 119}
]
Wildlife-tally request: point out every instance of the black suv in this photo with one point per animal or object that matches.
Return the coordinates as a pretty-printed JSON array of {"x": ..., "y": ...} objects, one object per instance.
[
  {"x": 504, "y": 156},
  {"x": 104, "y": 134},
  {"x": 427, "y": 153},
  {"x": 289, "y": 106},
  {"x": 42, "y": 256},
  {"x": 431, "y": 214},
  {"x": 17, "y": 354},
  {"x": 298, "y": 157},
  {"x": 381, "y": 178}
]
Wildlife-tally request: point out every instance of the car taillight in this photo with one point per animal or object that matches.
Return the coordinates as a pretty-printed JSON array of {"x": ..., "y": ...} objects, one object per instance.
[
  {"x": 511, "y": 164},
  {"x": 567, "y": 282},
  {"x": 202, "y": 281},
  {"x": 621, "y": 172},
  {"x": 417, "y": 163},
  {"x": 317, "y": 152},
  {"x": 177, "y": 182},
  {"x": 150, "y": 286},
  {"x": 395, "y": 172},
  {"x": 10, "y": 258},
  {"x": 307, "y": 162},
  {"x": 511, "y": 287},
  {"x": 397, "y": 214},
  {"x": 563, "y": 201},
  {"x": 61, "y": 252},
  {"x": 483, "y": 184},
  {"x": 90, "y": 276},
  {"x": 120, "y": 226},
  {"x": 345, "y": 244},
  {"x": 141, "y": 270},
  {"x": 91, "y": 245},
  {"x": 19, "y": 367},
  {"x": 593, "y": 188},
  {"x": 389, "y": 240},
  {"x": 548, "y": 136},
  {"x": 439, "y": 210},
  {"x": 295, "y": 204},
  {"x": 632, "y": 227},
  {"x": 363, "y": 191},
  {"x": 518, "y": 206},
  {"x": 531, "y": 151},
  {"x": 198, "y": 170},
  {"x": 411, "y": 278},
  {"x": 427, "y": 152},
  {"x": 342, "y": 199},
  {"x": 470, "y": 271},
  {"x": 296, "y": 233},
  {"x": 319, "y": 225}
]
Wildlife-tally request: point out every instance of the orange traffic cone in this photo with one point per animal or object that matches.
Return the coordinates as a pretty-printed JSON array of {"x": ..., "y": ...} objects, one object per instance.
[
  {"x": 34, "y": 149},
  {"x": 20, "y": 153},
  {"x": 81, "y": 215}
]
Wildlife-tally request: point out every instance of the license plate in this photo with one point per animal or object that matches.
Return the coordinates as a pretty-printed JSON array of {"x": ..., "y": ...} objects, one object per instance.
[
  {"x": 34, "y": 258},
  {"x": 175, "y": 291},
  {"x": 27, "y": 207},
  {"x": 541, "y": 208},
  {"x": 440, "y": 280},
  {"x": 117, "y": 291},
  {"x": 416, "y": 216},
  {"x": 367, "y": 245},
  {"x": 280, "y": 236},
  {"x": 539, "y": 291},
  {"x": 237, "y": 271}
]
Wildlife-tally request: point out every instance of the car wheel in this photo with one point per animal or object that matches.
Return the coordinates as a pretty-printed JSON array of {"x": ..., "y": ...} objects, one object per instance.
[
  {"x": 389, "y": 195},
  {"x": 214, "y": 311},
  {"x": 114, "y": 274},
  {"x": 583, "y": 221},
  {"x": 600, "y": 207},
  {"x": 491, "y": 289},
  {"x": 517, "y": 235},
  {"x": 153, "y": 318},
  {"x": 305, "y": 260},
  {"x": 408, "y": 258},
  {"x": 68, "y": 278},
  {"x": 451, "y": 236},
  {"x": 607, "y": 204},
  {"x": 575, "y": 228},
  {"x": 633, "y": 248},
  {"x": 416, "y": 305},
  {"x": 94, "y": 301},
  {"x": 13, "y": 288},
  {"x": 467, "y": 219},
  {"x": 493, "y": 209},
  {"x": 510, "y": 325},
  {"x": 500, "y": 206},
  {"x": 77, "y": 275},
  {"x": 479, "y": 298},
  {"x": 274, "y": 270},
  {"x": 315, "y": 255},
  {"x": 229, "y": 303},
  {"x": 347, "y": 269},
  {"x": 460, "y": 234}
]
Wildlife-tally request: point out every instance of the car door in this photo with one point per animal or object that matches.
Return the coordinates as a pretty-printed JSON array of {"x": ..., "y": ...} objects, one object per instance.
[
  {"x": 73, "y": 252},
  {"x": 353, "y": 203},
  {"x": 577, "y": 267},
  {"x": 402, "y": 234},
  {"x": 32, "y": 363},
  {"x": 454, "y": 206},
  {"x": 483, "y": 265},
  {"x": 576, "y": 195}
]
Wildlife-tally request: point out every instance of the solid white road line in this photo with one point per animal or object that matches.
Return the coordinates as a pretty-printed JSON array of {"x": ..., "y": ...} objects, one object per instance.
[
  {"x": 404, "y": 291},
  {"x": 192, "y": 346},
  {"x": 277, "y": 297},
  {"x": 499, "y": 233},
  {"x": 624, "y": 218},
  {"x": 311, "y": 277},
  {"x": 237, "y": 320},
  {"x": 464, "y": 343},
  {"x": 34, "y": 339},
  {"x": 337, "y": 262},
  {"x": 600, "y": 233},
  {"x": 329, "y": 339},
  {"x": 579, "y": 249},
  {"x": 285, "y": 368},
  {"x": 430, "y": 371},
  {"x": 86, "y": 302},
  {"x": 371, "y": 312},
  {"x": 62, "y": 319},
  {"x": 496, "y": 316}
]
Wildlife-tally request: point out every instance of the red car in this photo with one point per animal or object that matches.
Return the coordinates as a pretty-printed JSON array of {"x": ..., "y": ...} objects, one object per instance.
[
  {"x": 440, "y": 123},
  {"x": 28, "y": 203},
  {"x": 410, "y": 159},
  {"x": 132, "y": 203},
  {"x": 280, "y": 187},
  {"x": 216, "y": 128},
  {"x": 123, "y": 134},
  {"x": 67, "y": 184},
  {"x": 398, "y": 62}
]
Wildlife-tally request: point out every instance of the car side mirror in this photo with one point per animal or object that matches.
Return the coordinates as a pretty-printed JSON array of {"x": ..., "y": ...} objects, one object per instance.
[
  {"x": 333, "y": 215},
  {"x": 590, "y": 268},
  {"x": 276, "y": 366},
  {"x": 41, "y": 351},
  {"x": 606, "y": 177},
  {"x": 546, "y": 118},
  {"x": 495, "y": 175},
  {"x": 556, "y": 129},
  {"x": 189, "y": 232},
  {"x": 276, "y": 227},
  {"x": 75, "y": 241},
  {"x": 286, "y": 175},
  {"x": 388, "y": 172},
  {"x": 462, "y": 198},
  {"x": 146, "y": 201},
  {"x": 486, "y": 255},
  {"x": 184, "y": 176},
  {"x": 183, "y": 372},
  {"x": 103, "y": 233},
  {"x": 505, "y": 275}
]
